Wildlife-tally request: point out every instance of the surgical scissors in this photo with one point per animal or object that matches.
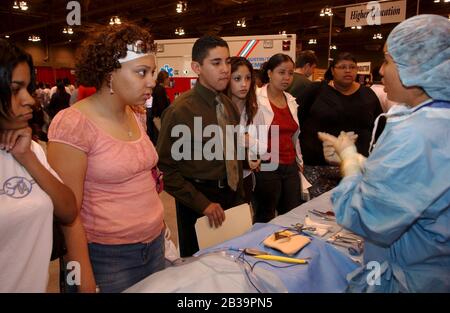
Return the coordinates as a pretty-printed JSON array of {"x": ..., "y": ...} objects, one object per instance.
[
  {"x": 347, "y": 239},
  {"x": 353, "y": 248}
]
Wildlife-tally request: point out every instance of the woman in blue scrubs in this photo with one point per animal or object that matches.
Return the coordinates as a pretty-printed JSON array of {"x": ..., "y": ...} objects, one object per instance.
[{"x": 399, "y": 198}]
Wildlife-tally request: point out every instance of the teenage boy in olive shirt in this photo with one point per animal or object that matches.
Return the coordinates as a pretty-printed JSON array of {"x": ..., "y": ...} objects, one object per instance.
[{"x": 199, "y": 185}]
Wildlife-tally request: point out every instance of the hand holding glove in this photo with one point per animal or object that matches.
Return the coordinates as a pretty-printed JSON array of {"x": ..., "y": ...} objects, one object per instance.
[
  {"x": 329, "y": 152},
  {"x": 342, "y": 148}
]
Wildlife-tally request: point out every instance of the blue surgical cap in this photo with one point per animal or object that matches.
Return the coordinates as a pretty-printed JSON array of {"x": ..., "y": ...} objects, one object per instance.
[{"x": 420, "y": 47}]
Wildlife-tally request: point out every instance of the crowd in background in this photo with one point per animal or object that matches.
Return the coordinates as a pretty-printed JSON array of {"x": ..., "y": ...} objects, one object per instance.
[{"x": 366, "y": 143}]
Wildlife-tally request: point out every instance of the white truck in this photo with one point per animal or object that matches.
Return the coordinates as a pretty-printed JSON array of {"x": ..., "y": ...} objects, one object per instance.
[{"x": 174, "y": 55}]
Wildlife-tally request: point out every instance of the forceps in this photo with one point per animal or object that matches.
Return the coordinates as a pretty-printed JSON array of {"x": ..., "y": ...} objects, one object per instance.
[{"x": 323, "y": 215}]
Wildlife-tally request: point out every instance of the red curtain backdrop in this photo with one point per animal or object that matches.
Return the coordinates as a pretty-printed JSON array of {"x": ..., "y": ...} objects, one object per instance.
[
  {"x": 49, "y": 75},
  {"x": 45, "y": 74},
  {"x": 179, "y": 85}
]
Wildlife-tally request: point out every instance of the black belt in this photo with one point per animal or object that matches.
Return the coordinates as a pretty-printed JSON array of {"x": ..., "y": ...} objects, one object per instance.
[{"x": 220, "y": 183}]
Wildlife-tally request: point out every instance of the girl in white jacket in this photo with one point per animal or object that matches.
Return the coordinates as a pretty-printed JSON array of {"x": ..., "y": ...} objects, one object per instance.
[{"x": 278, "y": 186}]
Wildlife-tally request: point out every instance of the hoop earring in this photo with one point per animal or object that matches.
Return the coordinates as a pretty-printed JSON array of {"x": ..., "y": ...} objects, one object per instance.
[{"x": 111, "y": 91}]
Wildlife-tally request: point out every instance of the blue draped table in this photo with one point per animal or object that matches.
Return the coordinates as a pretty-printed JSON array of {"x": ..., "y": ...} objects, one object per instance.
[{"x": 221, "y": 269}]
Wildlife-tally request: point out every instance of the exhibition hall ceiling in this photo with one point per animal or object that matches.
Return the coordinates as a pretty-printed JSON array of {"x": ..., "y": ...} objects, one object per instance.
[{"x": 47, "y": 19}]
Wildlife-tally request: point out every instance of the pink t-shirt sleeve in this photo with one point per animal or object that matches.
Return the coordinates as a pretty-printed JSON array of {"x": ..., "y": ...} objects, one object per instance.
[{"x": 71, "y": 127}]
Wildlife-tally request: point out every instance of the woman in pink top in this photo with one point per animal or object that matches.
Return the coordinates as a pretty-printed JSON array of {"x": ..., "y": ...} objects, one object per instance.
[{"x": 101, "y": 151}]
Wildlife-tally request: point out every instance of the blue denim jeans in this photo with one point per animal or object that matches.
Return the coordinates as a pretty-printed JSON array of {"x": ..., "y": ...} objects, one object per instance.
[{"x": 118, "y": 267}]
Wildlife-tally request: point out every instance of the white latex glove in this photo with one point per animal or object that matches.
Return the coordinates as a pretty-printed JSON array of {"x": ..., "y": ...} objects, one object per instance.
[
  {"x": 329, "y": 151},
  {"x": 352, "y": 136},
  {"x": 346, "y": 149},
  {"x": 330, "y": 154}
]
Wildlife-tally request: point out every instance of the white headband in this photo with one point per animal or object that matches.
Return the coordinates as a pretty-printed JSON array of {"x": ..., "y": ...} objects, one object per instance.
[
  {"x": 132, "y": 56},
  {"x": 134, "y": 51}
]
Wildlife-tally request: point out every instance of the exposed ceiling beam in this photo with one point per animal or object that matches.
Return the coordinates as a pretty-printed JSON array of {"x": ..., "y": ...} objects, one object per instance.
[{"x": 50, "y": 21}]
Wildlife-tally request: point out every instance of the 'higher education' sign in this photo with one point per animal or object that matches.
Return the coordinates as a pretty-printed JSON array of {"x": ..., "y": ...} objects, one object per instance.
[{"x": 374, "y": 13}]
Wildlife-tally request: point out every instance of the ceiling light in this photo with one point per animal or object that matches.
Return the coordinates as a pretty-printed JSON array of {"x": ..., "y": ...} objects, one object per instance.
[
  {"x": 241, "y": 22},
  {"x": 68, "y": 30},
  {"x": 34, "y": 38},
  {"x": 377, "y": 36},
  {"x": 23, "y": 5},
  {"x": 333, "y": 47},
  {"x": 179, "y": 31},
  {"x": 312, "y": 41},
  {"x": 181, "y": 6},
  {"x": 6, "y": 36},
  {"x": 20, "y": 5},
  {"x": 326, "y": 11},
  {"x": 115, "y": 20}
]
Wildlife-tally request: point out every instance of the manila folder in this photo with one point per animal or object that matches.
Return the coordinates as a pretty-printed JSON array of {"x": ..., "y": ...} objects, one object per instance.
[{"x": 237, "y": 221}]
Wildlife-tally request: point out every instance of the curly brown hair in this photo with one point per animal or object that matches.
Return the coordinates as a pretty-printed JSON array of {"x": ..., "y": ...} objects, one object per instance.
[{"x": 99, "y": 54}]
